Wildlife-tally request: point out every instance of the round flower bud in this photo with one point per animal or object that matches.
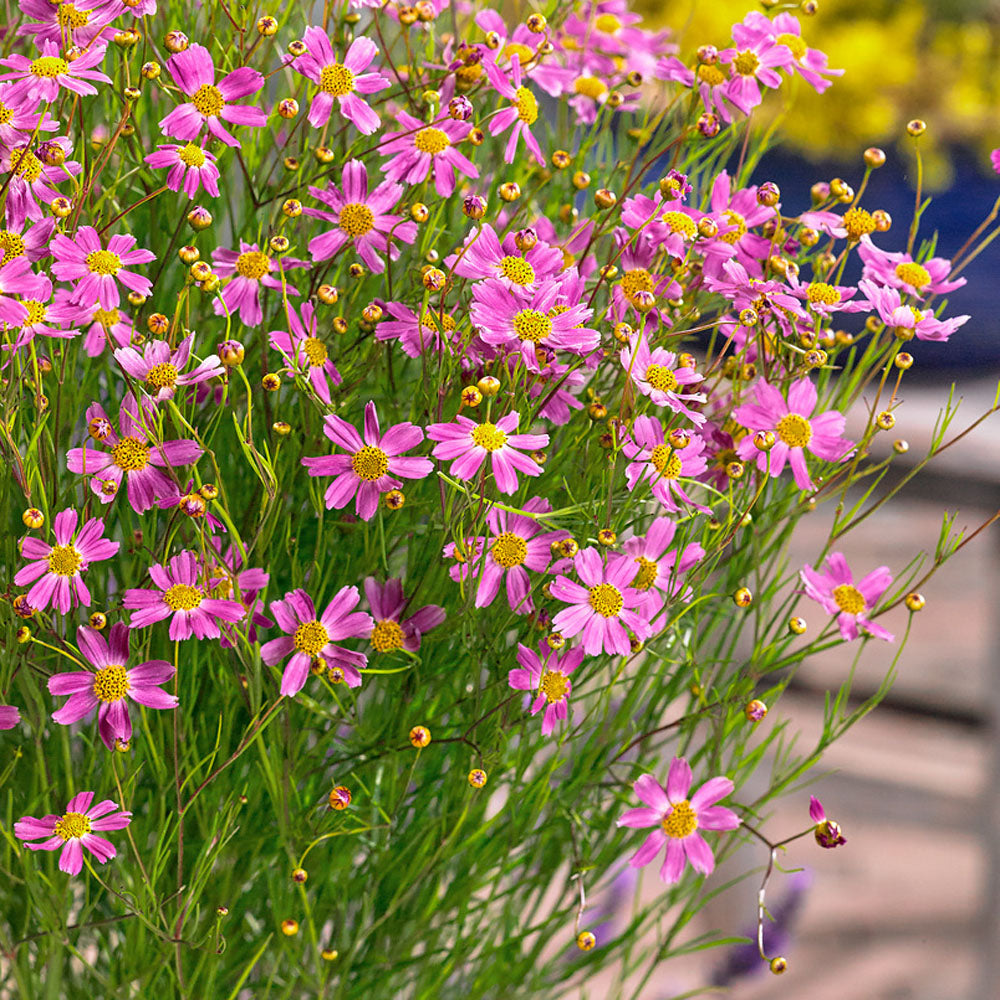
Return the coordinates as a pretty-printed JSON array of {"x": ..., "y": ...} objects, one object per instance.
[
  {"x": 281, "y": 428},
  {"x": 603, "y": 198},
  {"x": 150, "y": 70},
  {"x": 903, "y": 361},
  {"x": 188, "y": 254},
  {"x": 460, "y": 108},
  {"x": 394, "y": 499},
  {"x": 329, "y": 954},
  {"x": 23, "y": 635},
  {"x": 568, "y": 214},
  {"x": 886, "y": 420},
  {"x": 477, "y": 137},
  {"x": 643, "y": 300},
  {"x": 778, "y": 965},
  {"x": 916, "y": 127},
  {"x": 474, "y": 207},
  {"x": 882, "y": 220},
  {"x": 581, "y": 179},
  {"x": 539, "y": 457},
  {"x": 708, "y": 125},
  {"x": 297, "y": 48},
  {"x": 568, "y": 548},
  {"x": 434, "y": 279},
  {"x": 324, "y": 154},
  {"x": 678, "y": 438},
  {"x": 420, "y": 736},
  {"x": 292, "y": 208},
  {"x": 33, "y": 518},
  {"x": 471, "y": 396},
  {"x": 408, "y": 15},
  {"x": 607, "y": 537},
  {"x": 291, "y": 163},
  {"x": 340, "y": 798},
  {"x": 743, "y": 598},
  {"x": 288, "y": 107},
  {"x": 525, "y": 239},
  {"x": 828, "y": 835},
  {"x": 816, "y": 358},
  {"x": 199, "y": 218},
  {"x": 764, "y": 440},
  {"x": 748, "y": 372},
  {"x": 327, "y": 294},
  {"x": 231, "y": 353},
  {"x": 136, "y": 298},
  {"x": 708, "y": 228},
  {"x": 615, "y": 98},
  {"x": 609, "y": 271},
  {"x": 157, "y": 323},
  {"x": 555, "y": 640},
  {"x": 98, "y": 620},
  {"x": 796, "y": 625},
  {"x": 735, "y": 470},
  {"x": 536, "y": 24},
  {"x": 477, "y": 777},
  {"x": 99, "y": 428},
  {"x": 419, "y": 212},
  {"x": 279, "y": 244},
  {"x": 597, "y": 411},
  {"x": 623, "y": 332},
  {"x": 130, "y": 94},
  {"x": 488, "y": 385},
  {"x": 915, "y": 601},
  {"x": 768, "y": 194},
  {"x": 201, "y": 270},
  {"x": 175, "y": 41},
  {"x": 267, "y": 26},
  {"x": 708, "y": 55},
  {"x": 509, "y": 191},
  {"x": 61, "y": 207},
  {"x": 299, "y": 875},
  {"x": 874, "y": 157},
  {"x": 222, "y": 911},
  {"x": 271, "y": 382},
  {"x": 585, "y": 940},
  {"x": 900, "y": 447},
  {"x": 819, "y": 192},
  {"x": 339, "y": 324},
  {"x": 493, "y": 40},
  {"x": 748, "y": 317},
  {"x": 289, "y": 928},
  {"x": 561, "y": 159},
  {"x": 755, "y": 710}
]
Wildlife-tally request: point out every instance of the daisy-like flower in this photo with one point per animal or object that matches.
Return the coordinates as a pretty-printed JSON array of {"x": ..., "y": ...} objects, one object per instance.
[
  {"x": 31, "y": 183},
  {"x": 658, "y": 572},
  {"x": 824, "y": 299},
  {"x": 191, "y": 167},
  {"x": 42, "y": 313},
  {"x": 208, "y": 104},
  {"x": 313, "y": 638},
  {"x": 827, "y": 832},
  {"x": 42, "y": 78},
  {"x": 101, "y": 327},
  {"x": 753, "y": 61},
  {"x": 361, "y": 218},
  {"x": 390, "y": 630},
  {"x": 250, "y": 270},
  {"x": 661, "y": 465},
  {"x": 679, "y": 816},
  {"x": 341, "y": 81},
  {"x": 795, "y": 427},
  {"x": 75, "y": 830},
  {"x": 905, "y": 321},
  {"x": 638, "y": 261},
  {"x": 810, "y": 64},
  {"x": 137, "y": 455},
  {"x": 304, "y": 350},
  {"x": 110, "y": 685},
  {"x": 901, "y": 271},
  {"x": 547, "y": 675},
  {"x": 657, "y": 375},
  {"x": 736, "y": 212},
  {"x": 97, "y": 271},
  {"x": 56, "y": 570},
  {"x": 837, "y": 592},
  {"x": 32, "y": 243},
  {"x": 416, "y": 334},
  {"x": 9, "y": 716},
  {"x": 484, "y": 256},
  {"x": 182, "y": 595},
  {"x": 421, "y": 149},
  {"x": 522, "y": 114},
  {"x": 19, "y": 118},
  {"x": 54, "y": 22},
  {"x": 18, "y": 281},
  {"x": 161, "y": 370},
  {"x": 468, "y": 444},
  {"x": 371, "y": 463},
  {"x": 603, "y": 606}
]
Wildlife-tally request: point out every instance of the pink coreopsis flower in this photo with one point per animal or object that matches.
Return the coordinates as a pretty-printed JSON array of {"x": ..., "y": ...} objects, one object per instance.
[
  {"x": 361, "y": 218},
  {"x": 658, "y": 572},
  {"x": 191, "y": 167},
  {"x": 18, "y": 281},
  {"x": 795, "y": 428},
  {"x": 390, "y": 630},
  {"x": 56, "y": 570},
  {"x": 603, "y": 606},
  {"x": 547, "y": 675},
  {"x": 75, "y": 830},
  {"x": 101, "y": 327},
  {"x": 655, "y": 374},
  {"x": 305, "y": 350},
  {"x": 182, "y": 595},
  {"x": 9, "y": 716},
  {"x": 311, "y": 637},
  {"x": 136, "y": 456},
  {"x": 208, "y": 104},
  {"x": 753, "y": 61},
  {"x": 522, "y": 114},
  {"x": 678, "y": 819},
  {"x": 110, "y": 685},
  {"x": 900, "y": 270},
  {"x": 341, "y": 82},
  {"x": 416, "y": 334},
  {"x": 56, "y": 22},
  {"x": 32, "y": 243},
  {"x": 31, "y": 183},
  {"x": 482, "y": 255},
  {"x": 249, "y": 271},
  {"x": 97, "y": 271},
  {"x": 161, "y": 369},
  {"x": 468, "y": 444},
  {"x": 421, "y": 149},
  {"x": 662, "y": 465},
  {"x": 736, "y": 211},
  {"x": 19, "y": 117},
  {"x": 43, "y": 77},
  {"x": 906, "y": 321},
  {"x": 809, "y": 63},
  {"x": 837, "y": 592},
  {"x": 371, "y": 463}
]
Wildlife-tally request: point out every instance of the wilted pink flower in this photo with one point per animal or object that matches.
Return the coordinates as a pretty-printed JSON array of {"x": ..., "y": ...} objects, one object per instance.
[
  {"x": 827, "y": 832},
  {"x": 547, "y": 675},
  {"x": 40, "y": 79},
  {"x": 160, "y": 369},
  {"x": 305, "y": 350},
  {"x": 837, "y": 593},
  {"x": 389, "y": 629},
  {"x": 191, "y": 167},
  {"x": 74, "y": 830},
  {"x": 9, "y": 716},
  {"x": 97, "y": 271},
  {"x": 678, "y": 819},
  {"x": 421, "y": 149}
]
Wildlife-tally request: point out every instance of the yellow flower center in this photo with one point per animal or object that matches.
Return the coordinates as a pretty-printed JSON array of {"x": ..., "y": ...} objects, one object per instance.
[
  {"x": 590, "y": 86},
  {"x": 6, "y": 114},
  {"x": 793, "y": 42},
  {"x": 191, "y": 155},
  {"x": 107, "y": 317},
  {"x": 517, "y": 270},
  {"x": 488, "y": 436},
  {"x": 111, "y": 683},
  {"x": 712, "y": 75},
  {"x": 527, "y": 106},
  {"x": 746, "y": 63},
  {"x": 678, "y": 222},
  {"x": 36, "y": 312},
  {"x": 253, "y": 264},
  {"x": 794, "y": 430},
  {"x": 130, "y": 454},
  {"x": 370, "y": 463},
  {"x": 182, "y": 597},
  {"x": 510, "y": 549},
  {"x": 636, "y": 280},
  {"x": 646, "y": 577},
  {"x": 681, "y": 822},
  {"x": 315, "y": 351},
  {"x": 70, "y": 17},
  {"x": 162, "y": 376},
  {"x": 554, "y": 685},
  {"x": 660, "y": 378},
  {"x": 530, "y": 324},
  {"x": 820, "y": 291},
  {"x": 605, "y": 599},
  {"x": 466, "y": 76},
  {"x": 72, "y": 825},
  {"x": 48, "y": 66},
  {"x": 310, "y": 638},
  {"x": 431, "y": 140},
  {"x": 103, "y": 262},
  {"x": 12, "y": 245},
  {"x": 208, "y": 100},
  {"x": 666, "y": 462},
  {"x": 387, "y": 635},
  {"x": 356, "y": 219},
  {"x": 913, "y": 274},
  {"x": 24, "y": 163},
  {"x": 336, "y": 79},
  {"x": 737, "y": 220},
  {"x": 607, "y": 23},
  {"x": 64, "y": 560},
  {"x": 849, "y": 599},
  {"x": 517, "y": 49},
  {"x": 858, "y": 223}
]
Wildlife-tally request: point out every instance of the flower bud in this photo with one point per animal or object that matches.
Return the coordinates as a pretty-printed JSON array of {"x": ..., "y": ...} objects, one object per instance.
[
  {"x": 460, "y": 108},
  {"x": 420, "y": 736},
  {"x": 778, "y": 965},
  {"x": 33, "y": 518},
  {"x": 743, "y": 598},
  {"x": 585, "y": 941},
  {"x": 340, "y": 798},
  {"x": 477, "y": 777},
  {"x": 474, "y": 207},
  {"x": 509, "y": 191},
  {"x": 708, "y": 125},
  {"x": 299, "y": 875},
  {"x": 289, "y": 928},
  {"x": 755, "y": 710},
  {"x": 394, "y": 499},
  {"x": 916, "y": 127},
  {"x": 768, "y": 194},
  {"x": 288, "y": 107},
  {"x": 606, "y": 537},
  {"x": 434, "y": 279},
  {"x": 175, "y": 41},
  {"x": 561, "y": 159},
  {"x": 199, "y": 218},
  {"x": 231, "y": 353},
  {"x": 267, "y": 26},
  {"x": 915, "y": 601}
]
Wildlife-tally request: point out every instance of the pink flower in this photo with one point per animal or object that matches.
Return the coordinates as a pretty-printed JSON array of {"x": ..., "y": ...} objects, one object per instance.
[
  {"x": 389, "y": 629},
  {"x": 663, "y": 466},
  {"x": 58, "y": 568},
  {"x": 97, "y": 271},
  {"x": 31, "y": 182},
  {"x": 250, "y": 270},
  {"x": 371, "y": 463},
  {"x": 907, "y": 322},
  {"x": 18, "y": 278},
  {"x": 111, "y": 685},
  {"x": 341, "y": 82},
  {"x": 736, "y": 212},
  {"x": 32, "y": 242},
  {"x": 751, "y": 63},
  {"x": 482, "y": 255},
  {"x": 421, "y": 149},
  {"x": 40, "y": 79},
  {"x": 361, "y": 218},
  {"x": 655, "y": 375},
  {"x": 795, "y": 428},
  {"x": 191, "y": 167},
  {"x": 603, "y": 606},
  {"x": 136, "y": 456},
  {"x": 73, "y": 831},
  {"x": 548, "y": 676},
  {"x": 659, "y": 572},
  {"x": 101, "y": 327},
  {"x": 469, "y": 444},
  {"x": 809, "y": 63},
  {"x": 311, "y": 638},
  {"x": 208, "y": 104},
  {"x": 995, "y": 160},
  {"x": 416, "y": 334},
  {"x": 899, "y": 270},
  {"x": 679, "y": 818},
  {"x": 836, "y": 592},
  {"x": 304, "y": 350},
  {"x": 50, "y": 23},
  {"x": 160, "y": 369},
  {"x": 182, "y": 596},
  {"x": 9, "y": 716},
  {"x": 827, "y": 832},
  {"x": 19, "y": 117},
  {"x": 522, "y": 114}
]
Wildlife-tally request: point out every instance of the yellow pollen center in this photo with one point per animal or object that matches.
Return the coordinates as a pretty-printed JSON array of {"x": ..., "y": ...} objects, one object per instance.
[
  {"x": 509, "y": 550},
  {"x": 370, "y": 463},
  {"x": 49, "y": 67},
  {"x": 646, "y": 577},
  {"x": 681, "y": 822},
  {"x": 162, "y": 376},
  {"x": 336, "y": 79},
  {"x": 106, "y": 317},
  {"x": 913, "y": 274},
  {"x": 103, "y": 262},
  {"x": 130, "y": 454},
  {"x": 489, "y": 437},
  {"x": 191, "y": 155},
  {"x": 208, "y": 100},
  {"x": 554, "y": 685},
  {"x": 24, "y": 163},
  {"x": 667, "y": 463},
  {"x": 310, "y": 638},
  {"x": 527, "y": 106},
  {"x": 607, "y": 23},
  {"x": 12, "y": 245},
  {"x": 517, "y": 270},
  {"x": 36, "y": 312},
  {"x": 661, "y": 379},
  {"x": 111, "y": 683},
  {"x": 849, "y": 599},
  {"x": 387, "y": 635},
  {"x": 746, "y": 63},
  {"x": 529, "y": 324},
  {"x": 820, "y": 291},
  {"x": 64, "y": 560},
  {"x": 605, "y": 599},
  {"x": 315, "y": 351},
  {"x": 182, "y": 597},
  {"x": 794, "y": 430},
  {"x": 858, "y": 222},
  {"x": 737, "y": 220},
  {"x": 517, "y": 49},
  {"x": 72, "y": 825},
  {"x": 793, "y": 42},
  {"x": 636, "y": 280},
  {"x": 253, "y": 265},
  {"x": 678, "y": 222},
  {"x": 6, "y": 114},
  {"x": 590, "y": 86},
  {"x": 356, "y": 219},
  {"x": 70, "y": 17},
  {"x": 712, "y": 75},
  {"x": 431, "y": 140}
]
